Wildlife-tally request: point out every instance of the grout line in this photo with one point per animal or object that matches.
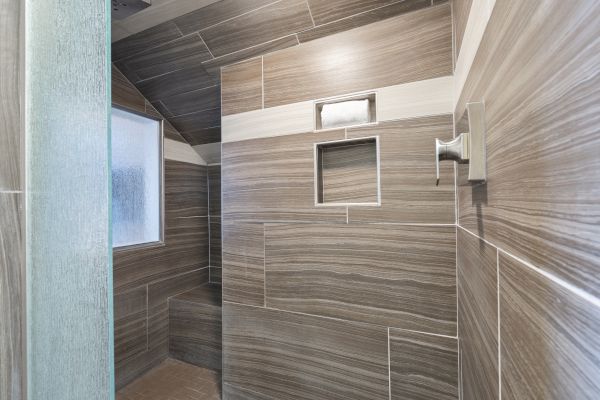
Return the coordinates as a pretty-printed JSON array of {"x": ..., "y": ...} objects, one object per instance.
[
  {"x": 205, "y": 45},
  {"x": 240, "y": 15},
  {"x": 311, "y": 15},
  {"x": 389, "y": 365},
  {"x": 566, "y": 285},
  {"x": 499, "y": 338},
  {"x": 11, "y": 191}
]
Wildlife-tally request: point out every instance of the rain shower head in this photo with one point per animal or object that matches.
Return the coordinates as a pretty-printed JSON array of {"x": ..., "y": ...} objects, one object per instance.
[{"x": 122, "y": 9}]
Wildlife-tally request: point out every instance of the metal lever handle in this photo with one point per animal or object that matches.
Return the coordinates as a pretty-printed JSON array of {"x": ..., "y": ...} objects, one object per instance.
[{"x": 456, "y": 149}]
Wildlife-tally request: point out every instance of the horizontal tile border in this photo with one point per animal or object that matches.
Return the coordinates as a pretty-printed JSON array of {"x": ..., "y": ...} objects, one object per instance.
[
  {"x": 179, "y": 151},
  {"x": 409, "y": 100}
]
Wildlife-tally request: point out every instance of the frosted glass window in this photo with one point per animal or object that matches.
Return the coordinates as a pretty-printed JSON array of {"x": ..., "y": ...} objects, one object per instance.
[{"x": 136, "y": 179}]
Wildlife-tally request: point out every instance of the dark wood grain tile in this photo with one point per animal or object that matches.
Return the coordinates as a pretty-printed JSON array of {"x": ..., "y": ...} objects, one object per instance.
[
  {"x": 549, "y": 336},
  {"x": 130, "y": 320},
  {"x": 11, "y": 92},
  {"x": 406, "y": 48},
  {"x": 185, "y": 249},
  {"x": 242, "y": 87},
  {"x": 274, "y": 21},
  {"x": 125, "y": 94},
  {"x": 244, "y": 263},
  {"x": 324, "y": 11},
  {"x": 149, "y": 38},
  {"x": 186, "y": 52},
  {"x": 195, "y": 327},
  {"x": 186, "y": 189},
  {"x": 160, "y": 291},
  {"x": 477, "y": 316},
  {"x": 403, "y": 277},
  {"x": 203, "y": 136},
  {"x": 356, "y": 20},
  {"x": 423, "y": 367},
  {"x": 215, "y": 13},
  {"x": 215, "y": 242},
  {"x": 12, "y": 296},
  {"x": 231, "y": 392},
  {"x": 460, "y": 15},
  {"x": 214, "y": 190},
  {"x": 348, "y": 173},
  {"x": 541, "y": 197},
  {"x": 157, "y": 109},
  {"x": 408, "y": 191},
  {"x": 272, "y": 179},
  {"x": 213, "y": 67},
  {"x": 194, "y": 101},
  {"x": 174, "y": 83},
  {"x": 285, "y": 355},
  {"x": 128, "y": 370},
  {"x": 190, "y": 123},
  {"x": 216, "y": 275}
]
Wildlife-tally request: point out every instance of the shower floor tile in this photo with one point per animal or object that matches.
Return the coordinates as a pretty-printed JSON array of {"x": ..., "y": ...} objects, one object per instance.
[{"x": 174, "y": 380}]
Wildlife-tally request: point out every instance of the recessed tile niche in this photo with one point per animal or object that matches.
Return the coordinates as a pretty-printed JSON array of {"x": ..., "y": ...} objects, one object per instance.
[{"x": 347, "y": 172}]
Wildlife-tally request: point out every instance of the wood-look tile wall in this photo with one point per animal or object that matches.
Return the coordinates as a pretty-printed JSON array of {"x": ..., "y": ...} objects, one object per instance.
[
  {"x": 360, "y": 300},
  {"x": 12, "y": 263},
  {"x": 214, "y": 213},
  {"x": 176, "y": 60},
  {"x": 145, "y": 278},
  {"x": 529, "y": 239}
]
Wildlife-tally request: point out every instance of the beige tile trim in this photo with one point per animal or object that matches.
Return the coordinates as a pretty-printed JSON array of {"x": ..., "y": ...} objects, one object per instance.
[
  {"x": 409, "y": 100},
  {"x": 479, "y": 16},
  {"x": 179, "y": 151}
]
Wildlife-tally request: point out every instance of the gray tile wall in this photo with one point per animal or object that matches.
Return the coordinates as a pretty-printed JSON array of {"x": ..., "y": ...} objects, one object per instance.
[
  {"x": 12, "y": 263},
  {"x": 145, "y": 278},
  {"x": 528, "y": 240}
]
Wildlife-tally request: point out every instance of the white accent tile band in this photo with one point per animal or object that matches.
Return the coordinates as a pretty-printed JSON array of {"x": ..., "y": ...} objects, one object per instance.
[
  {"x": 409, "y": 100},
  {"x": 210, "y": 152},
  {"x": 183, "y": 152},
  {"x": 479, "y": 16}
]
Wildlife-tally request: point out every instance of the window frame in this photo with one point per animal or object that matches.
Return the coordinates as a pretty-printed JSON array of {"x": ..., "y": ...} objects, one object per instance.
[{"x": 161, "y": 181}]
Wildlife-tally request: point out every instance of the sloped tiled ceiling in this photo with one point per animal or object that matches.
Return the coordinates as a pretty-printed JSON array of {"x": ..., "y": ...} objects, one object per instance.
[{"x": 176, "y": 64}]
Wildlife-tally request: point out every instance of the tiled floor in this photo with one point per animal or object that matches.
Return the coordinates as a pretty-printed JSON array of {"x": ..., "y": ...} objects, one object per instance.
[{"x": 174, "y": 380}]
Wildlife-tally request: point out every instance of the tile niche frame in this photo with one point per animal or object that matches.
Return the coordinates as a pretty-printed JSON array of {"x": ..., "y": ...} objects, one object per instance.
[{"x": 317, "y": 174}]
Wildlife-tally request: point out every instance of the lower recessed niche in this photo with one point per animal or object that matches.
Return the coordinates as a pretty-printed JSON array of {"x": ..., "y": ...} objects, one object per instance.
[{"x": 347, "y": 172}]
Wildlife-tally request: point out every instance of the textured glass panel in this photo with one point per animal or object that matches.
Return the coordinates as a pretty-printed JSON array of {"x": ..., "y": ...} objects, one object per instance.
[
  {"x": 68, "y": 244},
  {"x": 135, "y": 178}
]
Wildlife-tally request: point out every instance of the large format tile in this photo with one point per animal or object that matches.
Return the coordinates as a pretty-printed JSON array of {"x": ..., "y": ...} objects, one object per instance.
[
  {"x": 214, "y": 190},
  {"x": 194, "y": 101},
  {"x": 195, "y": 327},
  {"x": 398, "y": 276},
  {"x": 203, "y": 136},
  {"x": 124, "y": 93},
  {"x": 185, "y": 52},
  {"x": 12, "y": 297},
  {"x": 407, "y": 48},
  {"x": 197, "y": 121},
  {"x": 177, "y": 82},
  {"x": 216, "y": 13},
  {"x": 272, "y": 179},
  {"x": 274, "y": 21},
  {"x": 541, "y": 197},
  {"x": 11, "y": 89},
  {"x": 460, "y": 15},
  {"x": 292, "y": 356},
  {"x": 353, "y": 20},
  {"x": 244, "y": 263},
  {"x": 408, "y": 190},
  {"x": 242, "y": 87},
  {"x": 130, "y": 318},
  {"x": 213, "y": 67},
  {"x": 324, "y": 11},
  {"x": 147, "y": 39},
  {"x": 549, "y": 337},
  {"x": 186, "y": 189},
  {"x": 185, "y": 249},
  {"x": 477, "y": 316},
  {"x": 423, "y": 367}
]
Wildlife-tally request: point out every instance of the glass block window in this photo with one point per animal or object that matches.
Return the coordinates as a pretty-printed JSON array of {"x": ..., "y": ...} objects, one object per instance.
[{"x": 136, "y": 179}]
